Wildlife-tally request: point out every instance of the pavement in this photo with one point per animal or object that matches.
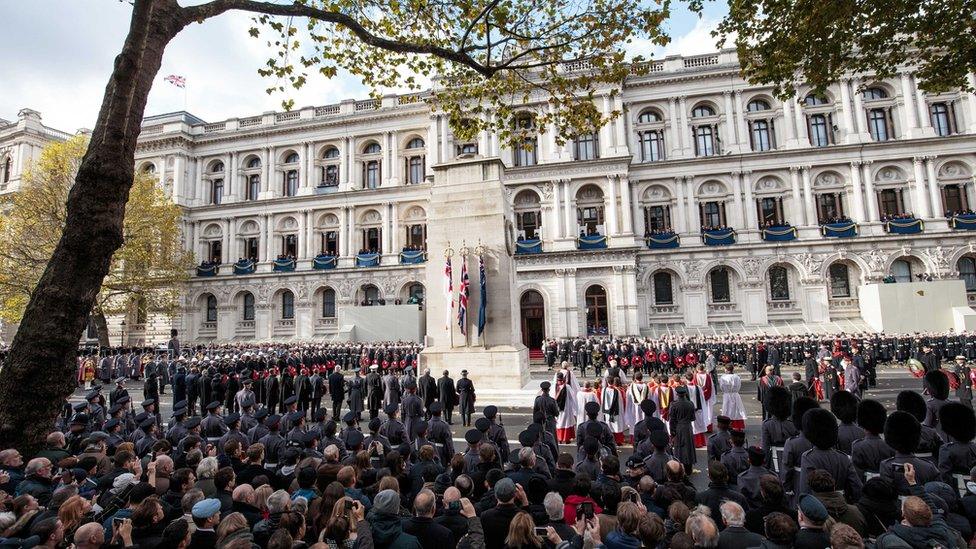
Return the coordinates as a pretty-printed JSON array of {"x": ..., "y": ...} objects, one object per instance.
[{"x": 515, "y": 406}]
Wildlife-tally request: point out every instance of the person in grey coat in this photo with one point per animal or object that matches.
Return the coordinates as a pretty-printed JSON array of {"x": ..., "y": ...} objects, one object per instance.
[
  {"x": 356, "y": 400},
  {"x": 391, "y": 390},
  {"x": 681, "y": 415}
]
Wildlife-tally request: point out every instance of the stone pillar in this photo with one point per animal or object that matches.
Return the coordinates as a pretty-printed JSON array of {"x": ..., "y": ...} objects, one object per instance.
[
  {"x": 606, "y": 134},
  {"x": 568, "y": 210},
  {"x": 228, "y": 241},
  {"x": 802, "y": 140},
  {"x": 304, "y": 319},
  {"x": 446, "y": 155},
  {"x": 695, "y": 305},
  {"x": 922, "y": 206},
  {"x": 310, "y": 234},
  {"x": 263, "y": 247},
  {"x": 909, "y": 110},
  {"x": 754, "y": 306},
  {"x": 808, "y": 198},
  {"x": 631, "y": 315},
  {"x": 788, "y": 122},
  {"x": 684, "y": 129},
  {"x": 302, "y": 234},
  {"x": 345, "y": 165},
  {"x": 395, "y": 229},
  {"x": 676, "y": 135},
  {"x": 924, "y": 118},
  {"x": 432, "y": 149},
  {"x": 262, "y": 321},
  {"x": 733, "y": 143},
  {"x": 693, "y": 217},
  {"x": 195, "y": 242},
  {"x": 859, "y": 120},
  {"x": 679, "y": 212},
  {"x": 797, "y": 214},
  {"x": 850, "y": 130},
  {"x": 268, "y": 171},
  {"x": 611, "y": 206},
  {"x": 869, "y": 193},
  {"x": 740, "y": 120},
  {"x": 571, "y": 303},
  {"x": 935, "y": 197},
  {"x": 816, "y": 308},
  {"x": 307, "y": 170},
  {"x": 858, "y": 198},
  {"x": 626, "y": 205},
  {"x": 751, "y": 223},
  {"x": 226, "y": 322},
  {"x": 619, "y": 125},
  {"x": 344, "y": 232}
]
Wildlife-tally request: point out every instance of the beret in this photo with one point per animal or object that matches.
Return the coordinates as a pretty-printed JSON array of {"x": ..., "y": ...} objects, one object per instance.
[{"x": 206, "y": 508}]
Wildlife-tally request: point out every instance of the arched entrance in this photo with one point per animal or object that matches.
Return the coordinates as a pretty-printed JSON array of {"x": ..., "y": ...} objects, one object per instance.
[
  {"x": 597, "y": 322},
  {"x": 533, "y": 319}
]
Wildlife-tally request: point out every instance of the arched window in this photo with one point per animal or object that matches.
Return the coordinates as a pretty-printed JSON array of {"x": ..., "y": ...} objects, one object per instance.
[
  {"x": 287, "y": 305},
  {"x": 840, "y": 282},
  {"x": 372, "y": 148},
  {"x": 719, "y": 280},
  {"x": 648, "y": 116},
  {"x": 216, "y": 191},
  {"x": 663, "y": 292},
  {"x": 371, "y": 240},
  {"x": 291, "y": 183},
  {"x": 757, "y": 105},
  {"x": 328, "y": 303},
  {"x": 701, "y": 111},
  {"x": 211, "y": 308},
  {"x": 415, "y": 143},
  {"x": 254, "y": 163},
  {"x": 814, "y": 100},
  {"x": 330, "y": 243},
  {"x": 149, "y": 169},
  {"x": 967, "y": 272},
  {"x": 7, "y": 168},
  {"x": 218, "y": 167},
  {"x": 253, "y": 186},
  {"x": 371, "y": 295},
  {"x": 712, "y": 215},
  {"x": 874, "y": 94},
  {"x": 901, "y": 270},
  {"x": 289, "y": 245},
  {"x": 891, "y": 201},
  {"x": 331, "y": 152},
  {"x": 248, "y": 306},
  {"x": 596, "y": 311},
  {"x": 761, "y": 135},
  {"x": 415, "y": 294},
  {"x": 585, "y": 147},
  {"x": 331, "y": 175},
  {"x": 417, "y": 236},
  {"x": 291, "y": 158},
  {"x": 779, "y": 284}
]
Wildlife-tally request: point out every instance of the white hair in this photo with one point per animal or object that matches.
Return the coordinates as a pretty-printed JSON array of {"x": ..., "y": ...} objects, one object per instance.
[
  {"x": 554, "y": 506},
  {"x": 279, "y": 502},
  {"x": 207, "y": 467},
  {"x": 732, "y": 513}
]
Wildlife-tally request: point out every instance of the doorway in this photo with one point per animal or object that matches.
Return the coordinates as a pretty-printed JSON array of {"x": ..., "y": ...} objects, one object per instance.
[{"x": 533, "y": 319}]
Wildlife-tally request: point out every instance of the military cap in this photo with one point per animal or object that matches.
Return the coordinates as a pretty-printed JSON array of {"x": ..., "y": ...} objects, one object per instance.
[
  {"x": 491, "y": 411},
  {"x": 272, "y": 420},
  {"x": 179, "y": 412},
  {"x": 147, "y": 423},
  {"x": 473, "y": 436},
  {"x": 148, "y": 402},
  {"x": 231, "y": 418},
  {"x": 261, "y": 414},
  {"x": 421, "y": 426},
  {"x": 80, "y": 406},
  {"x": 291, "y": 400},
  {"x": 112, "y": 423},
  {"x": 436, "y": 408},
  {"x": 213, "y": 405},
  {"x": 140, "y": 417},
  {"x": 482, "y": 424},
  {"x": 124, "y": 400},
  {"x": 350, "y": 417},
  {"x": 319, "y": 415},
  {"x": 527, "y": 439},
  {"x": 116, "y": 408},
  {"x": 545, "y": 385},
  {"x": 375, "y": 424},
  {"x": 353, "y": 439},
  {"x": 192, "y": 423},
  {"x": 390, "y": 409},
  {"x": 659, "y": 439}
]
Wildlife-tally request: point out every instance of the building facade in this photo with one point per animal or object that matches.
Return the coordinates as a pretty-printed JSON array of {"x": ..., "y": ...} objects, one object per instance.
[{"x": 708, "y": 206}]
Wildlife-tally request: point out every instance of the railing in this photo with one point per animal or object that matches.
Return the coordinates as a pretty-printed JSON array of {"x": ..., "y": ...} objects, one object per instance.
[
  {"x": 648, "y": 66},
  {"x": 248, "y": 122},
  {"x": 328, "y": 110},
  {"x": 286, "y": 116},
  {"x": 208, "y": 328},
  {"x": 245, "y": 325},
  {"x": 578, "y": 65},
  {"x": 787, "y": 305},
  {"x": 665, "y": 309},
  {"x": 700, "y": 61},
  {"x": 408, "y": 99},
  {"x": 367, "y": 105},
  {"x": 285, "y": 323},
  {"x": 331, "y": 322},
  {"x": 149, "y": 130},
  {"x": 215, "y": 127},
  {"x": 722, "y": 308}
]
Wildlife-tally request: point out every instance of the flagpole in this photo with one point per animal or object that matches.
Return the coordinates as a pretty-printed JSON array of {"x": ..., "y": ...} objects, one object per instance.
[{"x": 448, "y": 252}]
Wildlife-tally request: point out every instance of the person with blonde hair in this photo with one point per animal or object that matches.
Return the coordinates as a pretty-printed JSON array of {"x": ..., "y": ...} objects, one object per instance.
[
  {"x": 521, "y": 533},
  {"x": 71, "y": 511},
  {"x": 232, "y": 527}
]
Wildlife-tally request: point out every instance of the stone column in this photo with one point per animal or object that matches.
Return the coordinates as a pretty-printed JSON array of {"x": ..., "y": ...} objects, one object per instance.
[
  {"x": 272, "y": 248},
  {"x": 935, "y": 198},
  {"x": 924, "y": 118},
  {"x": 611, "y": 206},
  {"x": 738, "y": 212},
  {"x": 395, "y": 229},
  {"x": 676, "y": 136},
  {"x": 445, "y": 144},
  {"x": 909, "y": 111},
  {"x": 922, "y": 207},
  {"x": 693, "y": 217},
  {"x": 732, "y": 141},
  {"x": 858, "y": 198},
  {"x": 859, "y": 120},
  {"x": 385, "y": 163},
  {"x": 684, "y": 129},
  {"x": 801, "y": 123},
  {"x": 302, "y": 235},
  {"x": 344, "y": 231},
  {"x": 750, "y": 201},
  {"x": 432, "y": 149},
  {"x": 808, "y": 198},
  {"x": 740, "y": 120},
  {"x": 345, "y": 165},
  {"x": 226, "y": 257},
  {"x": 309, "y": 234},
  {"x": 797, "y": 212},
  {"x": 571, "y": 302},
  {"x": 195, "y": 241},
  {"x": 788, "y": 121},
  {"x": 570, "y": 215},
  {"x": 850, "y": 130},
  {"x": 606, "y": 135},
  {"x": 232, "y": 185},
  {"x": 267, "y": 170},
  {"x": 680, "y": 214},
  {"x": 869, "y": 193},
  {"x": 307, "y": 169},
  {"x": 263, "y": 239},
  {"x": 628, "y": 228},
  {"x": 386, "y": 228},
  {"x": 620, "y": 123}
]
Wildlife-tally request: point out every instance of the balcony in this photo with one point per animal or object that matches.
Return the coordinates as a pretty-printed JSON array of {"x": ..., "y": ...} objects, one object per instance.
[
  {"x": 324, "y": 262},
  {"x": 963, "y": 222},
  {"x": 718, "y": 237},
  {"x": 284, "y": 265},
  {"x": 208, "y": 269},
  {"x": 904, "y": 225},
  {"x": 839, "y": 229},
  {"x": 367, "y": 260},
  {"x": 528, "y": 246},
  {"x": 778, "y": 233},
  {"x": 663, "y": 241},
  {"x": 413, "y": 257},
  {"x": 244, "y": 266},
  {"x": 591, "y": 242}
]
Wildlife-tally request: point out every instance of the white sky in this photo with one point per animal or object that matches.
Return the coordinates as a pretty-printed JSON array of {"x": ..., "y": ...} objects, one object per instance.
[{"x": 59, "y": 54}]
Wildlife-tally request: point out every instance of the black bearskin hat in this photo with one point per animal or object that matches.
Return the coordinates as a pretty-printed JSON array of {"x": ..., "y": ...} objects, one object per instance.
[
  {"x": 844, "y": 405},
  {"x": 778, "y": 401},
  {"x": 958, "y": 421},
  {"x": 820, "y": 427},
  {"x": 902, "y": 432},
  {"x": 648, "y": 407},
  {"x": 938, "y": 384},
  {"x": 800, "y": 406},
  {"x": 871, "y": 416},
  {"x": 913, "y": 403}
]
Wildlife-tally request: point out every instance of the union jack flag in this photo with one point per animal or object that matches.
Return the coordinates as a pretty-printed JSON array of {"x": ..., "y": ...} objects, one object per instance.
[
  {"x": 176, "y": 80},
  {"x": 463, "y": 297}
]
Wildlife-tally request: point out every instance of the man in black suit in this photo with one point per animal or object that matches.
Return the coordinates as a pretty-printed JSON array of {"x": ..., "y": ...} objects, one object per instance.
[{"x": 337, "y": 389}]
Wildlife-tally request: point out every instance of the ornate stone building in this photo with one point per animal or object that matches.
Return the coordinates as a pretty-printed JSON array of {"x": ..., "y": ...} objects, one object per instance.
[{"x": 612, "y": 226}]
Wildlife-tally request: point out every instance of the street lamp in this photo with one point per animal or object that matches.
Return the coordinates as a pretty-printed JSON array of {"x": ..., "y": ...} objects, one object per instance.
[{"x": 122, "y": 339}]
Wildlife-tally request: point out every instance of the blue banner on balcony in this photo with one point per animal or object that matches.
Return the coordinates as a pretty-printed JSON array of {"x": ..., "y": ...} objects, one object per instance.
[
  {"x": 904, "y": 226},
  {"x": 663, "y": 241},
  {"x": 839, "y": 230},
  {"x": 412, "y": 257},
  {"x": 367, "y": 260},
  {"x": 244, "y": 267},
  {"x": 783, "y": 233},
  {"x": 528, "y": 246},
  {"x": 723, "y": 237},
  {"x": 207, "y": 270},
  {"x": 284, "y": 265},
  {"x": 591, "y": 242},
  {"x": 324, "y": 262},
  {"x": 963, "y": 222}
]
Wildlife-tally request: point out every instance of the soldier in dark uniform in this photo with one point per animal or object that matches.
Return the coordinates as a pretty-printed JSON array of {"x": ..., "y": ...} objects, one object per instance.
[
  {"x": 719, "y": 442},
  {"x": 868, "y": 452},
  {"x": 466, "y": 398},
  {"x": 257, "y": 432},
  {"x": 427, "y": 391},
  {"x": 844, "y": 405},
  {"x": 177, "y": 431},
  {"x": 546, "y": 405},
  {"x": 964, "y": 392},
  {"x": 289, "y": 407},
  {"x": 795, "y": 447},
  {"x": 644, "y": 427},
  {"x": 213, "y": 426},
  {"x": 271, "y": 392},
  {"x": 930, "y": 441},
  {"x": 412, "y": 409},
  {"x": 233, "y": 423},
  {"x": 902, "y": 432},
  {"x": 811, "y": 371},
  {"x": 192, "y": 390},
  {"x": 273, "y": 442},
  {"x": 439, "y": 433},
  {"x": 374, "y": 392},
  {"x": 748, "y": 480},
  {"x": 448, "y": 396},
  {"x": 297, "y": 432},
  {"x": 928, "y": 358},
  {"x": 118, "y": 392},
  {"x": 820, "y": 428},
  {"x": 392, "y": 429},
  {"x": 937, "y": 386},
  {"x": 736, "y": 458},
  {"x": 377, "y": 444},
  {"x": 317, "y": 383},
  {"x": 958, "y": 456},
  {"x": 769, "y": 380},
  {"x": 605, "y": 438},
  {"x": 145, "y": 443},
  {"x": 337, "y": 390},
  {"x": 471, "y": 458},
  {"x": 112, "y": 428},
  {"x": 496, "y": 433},
  {"x": 655, "y": 463},
  {"x": 778, "y": 428},
  {"x": 681, "y": 415}
]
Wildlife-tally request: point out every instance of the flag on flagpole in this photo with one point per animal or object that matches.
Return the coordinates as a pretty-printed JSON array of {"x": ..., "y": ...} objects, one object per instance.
[
  {"x": 176, "y": 80},
  {"x": 448, "y": 294},
  {"x": 483, "y": 301},
  {"x": 463, "y": 297}
]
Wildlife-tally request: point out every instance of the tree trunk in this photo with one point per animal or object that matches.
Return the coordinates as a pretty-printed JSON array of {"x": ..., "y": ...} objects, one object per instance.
[
  {"x": 39, "y": 373},
  {"x": 101, "y": 327}
]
